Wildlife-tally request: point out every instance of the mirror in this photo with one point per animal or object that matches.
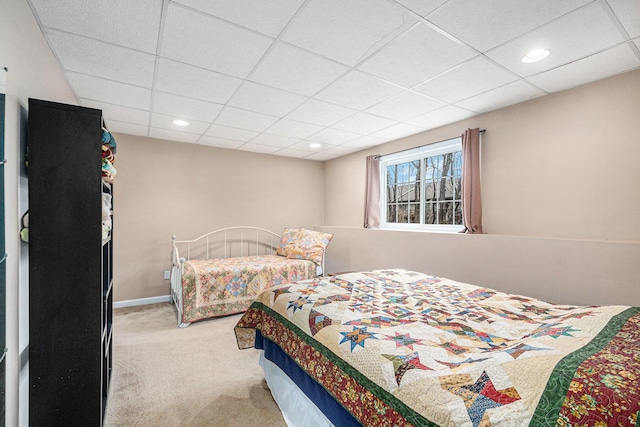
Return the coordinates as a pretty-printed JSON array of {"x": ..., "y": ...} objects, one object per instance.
[{"x": 3, "y": 256}]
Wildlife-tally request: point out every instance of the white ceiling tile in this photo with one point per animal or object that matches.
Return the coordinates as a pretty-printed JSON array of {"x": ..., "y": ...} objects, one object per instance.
[
  {"x": 571, "y": 37},
  {"x": 365, "y": 142},
  {"x": 628, "y": 13},
  {"x": 613, "y": 61},
  {"x": 219, "y": 142},
  {"x": 88, "y": 56},
  {"x": 265, "y": 99},
  {"x": 293, "y": 128},
  {"x": 265, "y": 16},
  {"x": 288, "y": 152},
  {"x": 127, "y": 128},
  {"x": 306, "y": 146},
  {"x": 363, "y": 123},
  {"x": 243, "y": 119},
  {"x": 194, "y": 82},
  {"x": 97, "y": 89},
  {"x": 257, "y": 148},
  {"x": 441, "y": 117},
  {"x": 323, "y": 26},
  {"x": 184, "y": 108},
  {"x": 341, "y": 150},
  {"x": 295, "y": 70},
  {"x": 201, "y": 40},
  {"x": 415, "y": 56},
  {"x": 504, "y": 96},
  {"x": 274, "y": 140},
  {"x": 333, "y": 136},
  {"x": 397, "y": 131},
  {"x": 163, "y": 121},
  {"x": 319, "y": 113},
  {"x": 322, "y": 156},
  {"x": 118, "y": 112},
  {"x": 422, "y": 7},
  {"x": 471, "y": 78},
  {"x": 172, "y": 135},
  {"x": 226, "y": 132},
  {"x": 488, "y": 23},
  {"x": 358, "y": 90},
  {"x": 404, "y": 106},
  {"x": 133, "y": 24}
]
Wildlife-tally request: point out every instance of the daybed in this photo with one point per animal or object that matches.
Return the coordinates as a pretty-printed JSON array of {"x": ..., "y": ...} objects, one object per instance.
[
  {"x": 224, "y": 270},
  {"x": 401, "y": 348}
]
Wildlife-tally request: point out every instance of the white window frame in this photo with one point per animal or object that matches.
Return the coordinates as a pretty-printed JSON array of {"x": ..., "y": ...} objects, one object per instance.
[{"x": 419, "y": 153}]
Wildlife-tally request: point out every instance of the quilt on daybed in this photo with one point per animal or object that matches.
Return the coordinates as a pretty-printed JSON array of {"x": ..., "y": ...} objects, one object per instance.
[
  {"x": 218, "y": 287},
  {"x": 400, "y": 348}
]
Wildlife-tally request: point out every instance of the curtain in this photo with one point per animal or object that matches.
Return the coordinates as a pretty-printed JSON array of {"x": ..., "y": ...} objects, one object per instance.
[
  {"x": 372, "y": 193},
  {"x": 471, "y": 194}
]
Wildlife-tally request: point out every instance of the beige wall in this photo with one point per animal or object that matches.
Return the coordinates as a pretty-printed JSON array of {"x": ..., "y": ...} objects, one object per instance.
[
  {"x": 562, "y": 271},
  {"x": 164, "y": 188},
  {"x": 564, "y": 165},
  {"x": 33, "y": 73},
  {"x": 560, "y": 203}
]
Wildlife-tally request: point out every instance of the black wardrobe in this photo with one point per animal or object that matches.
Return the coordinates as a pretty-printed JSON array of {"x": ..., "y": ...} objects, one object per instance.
[{"x": 70, "y": 268}]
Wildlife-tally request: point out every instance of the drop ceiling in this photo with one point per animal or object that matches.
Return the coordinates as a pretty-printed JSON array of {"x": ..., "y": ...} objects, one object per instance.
[{"x": 318, "y": 79}]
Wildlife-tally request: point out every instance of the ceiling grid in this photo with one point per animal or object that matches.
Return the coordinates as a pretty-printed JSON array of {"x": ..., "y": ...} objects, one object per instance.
[{"x": 318, "y": 79}]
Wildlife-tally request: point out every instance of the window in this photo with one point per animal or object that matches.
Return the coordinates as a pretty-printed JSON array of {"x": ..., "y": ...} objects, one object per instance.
[{"x": 420, "y": 188}]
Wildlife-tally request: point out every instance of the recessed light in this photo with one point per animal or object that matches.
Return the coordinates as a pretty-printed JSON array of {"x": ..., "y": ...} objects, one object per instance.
[
  {"x": 535, "y": 56},
  {"x": 315, "y": 145},
  {"x": 179, "y": 122}
]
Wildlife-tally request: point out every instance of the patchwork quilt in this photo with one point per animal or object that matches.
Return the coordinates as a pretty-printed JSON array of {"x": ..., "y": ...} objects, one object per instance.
[
  {"x": 219, "y": 287},
  {"x": 401, "y": 348}
]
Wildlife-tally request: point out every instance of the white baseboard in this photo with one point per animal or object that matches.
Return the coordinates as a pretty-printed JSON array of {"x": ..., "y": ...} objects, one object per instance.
[{"x": 141, "y": 301}]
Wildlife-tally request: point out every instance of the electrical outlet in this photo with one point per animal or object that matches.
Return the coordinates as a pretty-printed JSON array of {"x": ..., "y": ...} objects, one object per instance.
[{"x": 166, "y": 275}]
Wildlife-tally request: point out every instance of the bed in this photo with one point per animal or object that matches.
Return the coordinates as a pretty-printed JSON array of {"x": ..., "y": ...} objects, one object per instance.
[
  {"x": 402, "y": 348},
  {"x": 221, "y": 272}
]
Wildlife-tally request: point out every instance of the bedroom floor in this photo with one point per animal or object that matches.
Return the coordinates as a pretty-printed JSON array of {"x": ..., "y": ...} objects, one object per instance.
[{"x": 167, "y": 376}]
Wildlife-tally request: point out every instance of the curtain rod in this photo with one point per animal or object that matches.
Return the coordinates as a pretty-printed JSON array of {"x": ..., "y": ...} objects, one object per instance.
[{"x": 377, "y": 156}]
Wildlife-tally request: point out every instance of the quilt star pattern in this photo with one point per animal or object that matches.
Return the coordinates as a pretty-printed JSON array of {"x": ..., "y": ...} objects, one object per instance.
[{"x": 402, "y": 348}]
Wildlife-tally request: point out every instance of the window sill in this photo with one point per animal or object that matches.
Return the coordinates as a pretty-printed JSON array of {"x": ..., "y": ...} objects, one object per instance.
[{"x": 454, "y": 229}]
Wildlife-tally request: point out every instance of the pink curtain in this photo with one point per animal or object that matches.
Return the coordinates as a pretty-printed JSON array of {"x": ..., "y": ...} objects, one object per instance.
[
  {"x": 471, "y": 194},
  {"x": 372, "y": 193}
]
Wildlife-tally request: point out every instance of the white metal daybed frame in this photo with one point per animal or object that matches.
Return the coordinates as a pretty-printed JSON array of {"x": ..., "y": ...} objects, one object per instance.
[{"x": 261, "y": 242}]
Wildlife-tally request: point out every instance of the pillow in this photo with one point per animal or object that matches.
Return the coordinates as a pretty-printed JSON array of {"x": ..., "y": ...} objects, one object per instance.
[
  {"x": 289, "y": 236},
  {"x": 309, "y": 245}
]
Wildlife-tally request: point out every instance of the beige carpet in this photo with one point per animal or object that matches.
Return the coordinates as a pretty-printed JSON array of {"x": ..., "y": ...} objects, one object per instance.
[{"x": 167, "y": 376}]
